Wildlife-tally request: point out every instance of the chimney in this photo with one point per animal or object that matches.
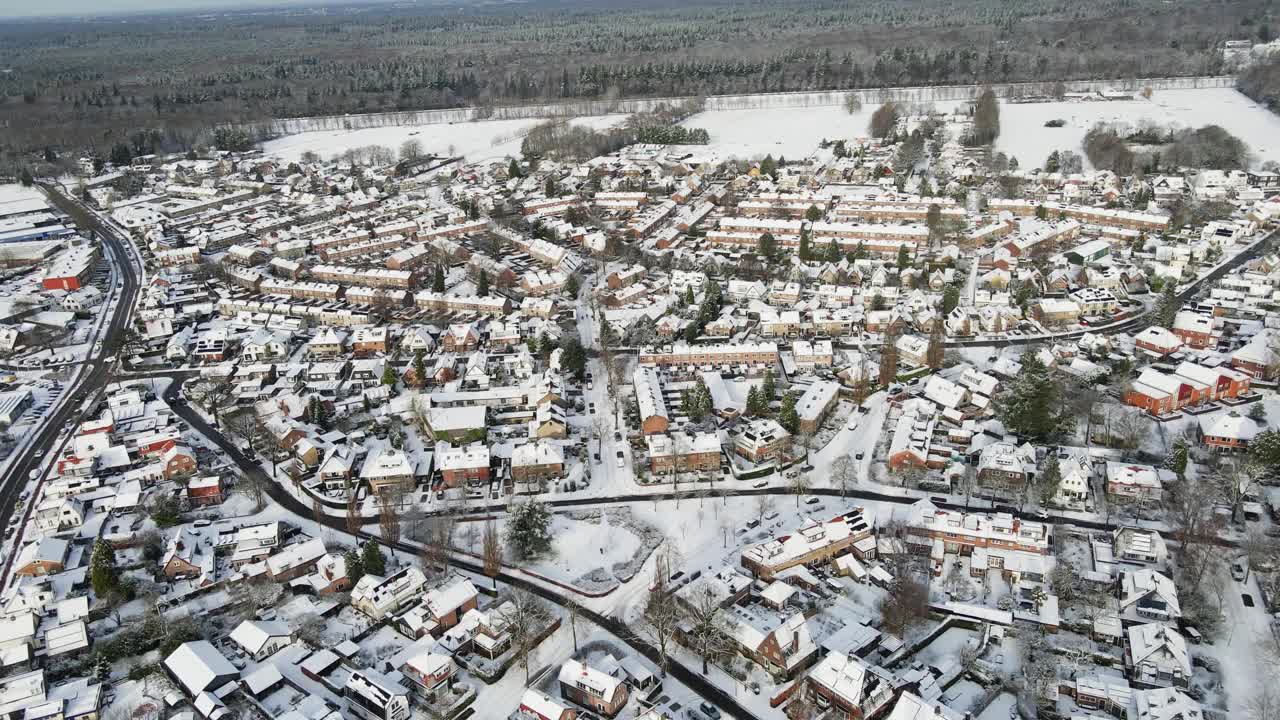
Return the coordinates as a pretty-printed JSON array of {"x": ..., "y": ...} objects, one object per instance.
[{"x": 795, "y": 639}]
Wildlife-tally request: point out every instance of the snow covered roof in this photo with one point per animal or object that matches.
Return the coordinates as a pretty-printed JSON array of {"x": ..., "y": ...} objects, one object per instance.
[
  {"x": 575, "y": 673},
  {"x": 1230, "y": 424},
  {"x": 537, "y": 453},
  {"x": 253, "y": 635},
  {"x": 198, "y": 665}
]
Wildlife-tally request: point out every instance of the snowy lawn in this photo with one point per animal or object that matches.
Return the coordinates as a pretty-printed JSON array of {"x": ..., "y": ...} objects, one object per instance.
[
  {"x": 477, "y": 141},
  {"x": 796, "y": 132}
]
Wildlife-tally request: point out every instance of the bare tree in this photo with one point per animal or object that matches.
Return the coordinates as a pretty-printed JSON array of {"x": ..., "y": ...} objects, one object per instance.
[
  {"x": 659, "y": 622},
  {"x": 574, "y": 611},
  {"x": 906, "y": 604},
  {"x": 317, "y": 509},
  {"x": 528, "y": 618},
  {"x": 1264, "y": 704},
  {"x": 799, "y": 485},
  {"x": 354, "y": 521},
  {"x": 705, "y": 630},
  {"x": 844, "y": 471},
  {"x": 411, "y": 149},
  {"x": 492, "y": 551},
  {"x": 1237, "y": 481},
  {"x": 764, "y": 504},
  {"x": 255, "y": 487}
]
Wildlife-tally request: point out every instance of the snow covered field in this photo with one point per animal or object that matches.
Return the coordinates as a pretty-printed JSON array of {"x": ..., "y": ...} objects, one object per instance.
[
  {"x": 477, "y": 141},
  {"x": 11, "y": 192},
  {"x": 796, "y": 132},
  {"x": 1024, "y": 136}
]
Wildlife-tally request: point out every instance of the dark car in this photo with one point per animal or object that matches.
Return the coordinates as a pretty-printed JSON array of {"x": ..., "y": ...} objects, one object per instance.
[{"x": 709, "y": 710}]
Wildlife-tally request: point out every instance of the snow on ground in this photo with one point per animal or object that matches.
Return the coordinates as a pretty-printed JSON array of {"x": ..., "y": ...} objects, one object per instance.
[
  {"x": 582, "y": 545},
  {"x": 790, "y": 132},
  {"x": 947, "y": 646},
  {"x": 1002, "y": 708},
  {"x": 1026, "y": 138},
  {"x": 11, "y": 192},
  {"x": 796, "y": 132},
  {"x": 477, "y": 141}
]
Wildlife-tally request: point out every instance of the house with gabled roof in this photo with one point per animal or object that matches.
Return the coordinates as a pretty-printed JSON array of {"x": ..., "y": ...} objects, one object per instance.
[
  {"x": 1147, "y": 596},
  {"x": 1156, "y": 655}
]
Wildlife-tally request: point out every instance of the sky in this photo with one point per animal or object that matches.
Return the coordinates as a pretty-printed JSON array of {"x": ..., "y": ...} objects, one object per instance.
[{"x": 46, "y": 8}]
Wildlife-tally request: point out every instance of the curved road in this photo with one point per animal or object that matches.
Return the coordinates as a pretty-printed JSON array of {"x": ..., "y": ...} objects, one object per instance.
[{"x": 94, "y": 373}]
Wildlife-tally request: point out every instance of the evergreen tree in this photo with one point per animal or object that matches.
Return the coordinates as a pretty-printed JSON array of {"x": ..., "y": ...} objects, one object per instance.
[
  {"x": 482, "y": 287},
  {"x": 753, "y": 401},
  {"x": 527, "y": 530},
  {"x": 103, "y": 575},
  {"x": 551, "y": 188},
  {"x": 933, "y": 220},
  {"x": 787, "y": 416},
  {"x": 1029, "y": 405},
  {"x": 437, "y": 279},
  {"x": 904, "y": 257},
  {"x": 372, "y": 559},
  {"x": 1050, "y": 478},
  {"x": 574, "y": 357},
  {"x": 24, "y": 177},
  {"x": 767, "y": 246},
  {"x": 355, "y": 565},
  {"x": 121, "y": 155},
  {"x": 571, "y": 286},
  {"x": 833, "y": 251},
  {"x": 388, "y": 375},
  {"x": 889, "y": 356},
  {"x": 1052, "y": 164},
  {"x": 768, "y": 390},
  {"x": 689, "y": 299},
  {"x": 936, "y": 349},
  {"x": 420, "y": 367},
  {"x": 513, "y": 169},
  {"x": 804, "y": 245},
  {"x": 1166, "y": 308},
  {"x": 813, "y": 214},
  {"x": 986, "y": 118},
  {"x": 316, "y": 413},
  {"x": 1179, "y": 454},
  {"x": 950, "y": 299},
  {"x": 696, "y": 401},
  {"x": 769, "y": 166}
]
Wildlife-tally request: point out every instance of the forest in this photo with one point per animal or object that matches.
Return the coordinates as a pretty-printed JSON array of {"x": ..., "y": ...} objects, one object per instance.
[{"x": 161, "y": 82}]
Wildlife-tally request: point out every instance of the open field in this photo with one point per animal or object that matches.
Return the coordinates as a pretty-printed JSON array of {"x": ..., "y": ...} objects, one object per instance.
[{"x": 796, "y": 132}]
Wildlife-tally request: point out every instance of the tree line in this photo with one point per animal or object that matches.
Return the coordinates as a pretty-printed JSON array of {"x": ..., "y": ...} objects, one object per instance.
[{"x": 71, "y": 84}]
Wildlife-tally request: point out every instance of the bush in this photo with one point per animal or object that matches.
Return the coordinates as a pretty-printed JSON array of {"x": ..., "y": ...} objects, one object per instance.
[{"x": 1055, "y": 123}]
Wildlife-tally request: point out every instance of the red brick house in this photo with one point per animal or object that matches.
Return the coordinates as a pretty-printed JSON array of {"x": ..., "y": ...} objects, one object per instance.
[
  {"x": 1195, "y": 329},
  {"x": 1227, "y": 432},
  {"x": 460, "y": 465},
  {"x": 178, "y": 461},
  {"x": 204, "y": 491},
  {"x": 603, "y": 693},
  {"x": 1158, "y": 341}
]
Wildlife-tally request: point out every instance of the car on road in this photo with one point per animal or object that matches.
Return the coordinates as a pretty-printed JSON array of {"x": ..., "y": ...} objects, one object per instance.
[
  {"x": 760, "y": 484},
  {"x": 709, "y": 710},
  {"x": 858, "y": 456},
  {"x": 617, "y": 436},
  {"x": 1237, "y": 571},
  {"x": 1247, "y": 599},
  {"x": 622, "y": 460},
  {"x": 813, "y": 501}
]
